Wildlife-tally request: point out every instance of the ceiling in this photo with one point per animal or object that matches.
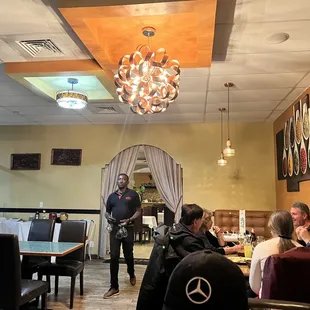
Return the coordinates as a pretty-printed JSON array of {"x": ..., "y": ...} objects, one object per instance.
[{"x": 267, "y": 77}]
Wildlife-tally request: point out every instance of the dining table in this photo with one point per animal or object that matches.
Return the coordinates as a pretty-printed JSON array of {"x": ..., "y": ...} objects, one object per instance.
[
  {"x": 43, "y": 248},
  {"x": 242, "y": 262}
]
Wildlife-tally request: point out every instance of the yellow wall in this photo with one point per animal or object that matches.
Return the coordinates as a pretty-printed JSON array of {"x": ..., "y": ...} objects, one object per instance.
[
  {"x": 247, "y": 182},
  {"x": 285, "y": 199}
]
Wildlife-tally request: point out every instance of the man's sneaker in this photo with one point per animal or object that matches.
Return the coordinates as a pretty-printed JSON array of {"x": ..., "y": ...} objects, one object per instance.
[
  {"x": 133, "y": 280},
  {"x": 110, "y": 293}
]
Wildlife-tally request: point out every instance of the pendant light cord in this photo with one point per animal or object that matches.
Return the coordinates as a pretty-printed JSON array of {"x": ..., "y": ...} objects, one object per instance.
[
  {"x": 228, "y": 123},
  {"x": 221, "y": 131}
]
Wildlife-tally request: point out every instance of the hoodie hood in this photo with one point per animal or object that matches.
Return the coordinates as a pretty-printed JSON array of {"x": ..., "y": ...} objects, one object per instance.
[{"x": 180, "y": 231}]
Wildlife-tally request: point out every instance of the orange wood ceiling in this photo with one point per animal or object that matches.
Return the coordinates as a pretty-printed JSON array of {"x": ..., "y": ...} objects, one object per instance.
[{"x": 184, "y": 28}]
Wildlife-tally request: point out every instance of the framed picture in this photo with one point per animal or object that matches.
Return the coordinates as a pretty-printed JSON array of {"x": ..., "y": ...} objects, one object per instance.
[
  {"x": 26, "y": 161},
  {"x": 66, "y": 157}
]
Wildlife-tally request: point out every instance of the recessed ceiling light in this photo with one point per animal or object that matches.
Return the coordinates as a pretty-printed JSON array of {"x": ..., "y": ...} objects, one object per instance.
[{"x": 277, "y": 38}]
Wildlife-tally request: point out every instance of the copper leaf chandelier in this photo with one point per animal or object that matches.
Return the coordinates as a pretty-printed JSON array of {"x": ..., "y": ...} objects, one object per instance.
[{"x": 148, "y": 81}]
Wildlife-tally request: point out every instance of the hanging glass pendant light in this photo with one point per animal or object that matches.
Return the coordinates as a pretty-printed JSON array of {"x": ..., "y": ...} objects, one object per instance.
[
  {"x": 228, "y": 151},
  {"x": 222, "y": 161}
]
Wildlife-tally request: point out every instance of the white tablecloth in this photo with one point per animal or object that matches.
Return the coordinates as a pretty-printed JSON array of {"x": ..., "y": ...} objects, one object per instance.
[
  {"x": 231, "y": 238},
  {"x": 160, "y": 217},
  {"x": 21, "y": 229},
  {"x": 149, "y": 220}
]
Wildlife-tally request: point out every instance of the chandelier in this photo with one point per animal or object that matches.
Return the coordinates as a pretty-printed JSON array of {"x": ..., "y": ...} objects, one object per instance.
[
  {"x": 148, "y": 81},
  {"x": 70, "y": 99},
  {"x": 229, "y": 151},
  {"x": 222, "y": 161}
]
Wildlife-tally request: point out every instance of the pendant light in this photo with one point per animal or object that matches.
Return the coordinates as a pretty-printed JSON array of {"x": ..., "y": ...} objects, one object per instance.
[
  {"x": 222, "y": 161},
  {"x": 229, "y": 151}
]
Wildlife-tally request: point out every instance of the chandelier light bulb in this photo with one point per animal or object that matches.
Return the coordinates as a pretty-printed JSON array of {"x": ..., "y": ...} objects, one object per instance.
[
  {"x": 70, "y": 99},
  {"x": 229, "y": 151},
  {"x": 222, "y": 161},
  {"x": 148, "y": 81}
]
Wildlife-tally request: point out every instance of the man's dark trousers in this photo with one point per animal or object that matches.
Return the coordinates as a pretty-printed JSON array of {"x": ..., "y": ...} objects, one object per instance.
[{"x": 115, "y": 245}]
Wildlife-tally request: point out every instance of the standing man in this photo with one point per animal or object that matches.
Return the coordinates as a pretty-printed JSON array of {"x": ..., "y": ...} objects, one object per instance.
[
  {"x": 124, "y": 206},
  {"x": 301, "y": 218}
]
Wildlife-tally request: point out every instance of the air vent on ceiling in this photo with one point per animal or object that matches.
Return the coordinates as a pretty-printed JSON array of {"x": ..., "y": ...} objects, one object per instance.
[
  {"x": 104, "y": 108},
  {"x": 40, "y": 48}
]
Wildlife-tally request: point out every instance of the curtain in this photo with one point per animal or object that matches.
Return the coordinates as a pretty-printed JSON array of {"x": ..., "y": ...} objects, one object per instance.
[
  {"x": 167, "y": 175},
  {"x": 124, "y": 162}
]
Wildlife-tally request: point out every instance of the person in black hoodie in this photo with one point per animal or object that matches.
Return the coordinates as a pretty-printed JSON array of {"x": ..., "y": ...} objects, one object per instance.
[{"x": 171, "y": 246}]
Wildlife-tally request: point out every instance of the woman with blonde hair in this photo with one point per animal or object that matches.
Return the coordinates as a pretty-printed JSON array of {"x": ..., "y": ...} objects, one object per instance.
[
  {"x": 282, "y": 228},
  {"x": 211, "y": 242}
]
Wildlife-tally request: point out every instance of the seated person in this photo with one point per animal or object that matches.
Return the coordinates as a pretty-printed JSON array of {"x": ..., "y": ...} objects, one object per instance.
[
  {"x": 167, "y": 252},
  {"x": 209, "y": 240},
  {"x": 301, "y": 217},
  {"x": 303, "y": 234},
  {"x": 217, "y": 241},
  {"x": 206, "y": 280},
  {"x": 281, "y": 226}
]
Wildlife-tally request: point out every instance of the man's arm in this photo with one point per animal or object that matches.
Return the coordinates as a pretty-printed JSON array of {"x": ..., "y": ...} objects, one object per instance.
[{"x": 108, "y": 212}]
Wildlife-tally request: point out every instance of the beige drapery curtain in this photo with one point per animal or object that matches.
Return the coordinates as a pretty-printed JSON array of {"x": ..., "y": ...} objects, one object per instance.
[
  {"x": 124, "y": 162},
  {"x": 167, "y": 175}
]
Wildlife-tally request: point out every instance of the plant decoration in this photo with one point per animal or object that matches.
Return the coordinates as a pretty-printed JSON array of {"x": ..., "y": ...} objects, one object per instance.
[{"x": 140, "y": 190}]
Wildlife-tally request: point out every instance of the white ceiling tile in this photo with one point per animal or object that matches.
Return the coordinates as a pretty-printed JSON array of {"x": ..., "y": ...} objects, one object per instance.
[
  {"x": 13, "y": 88},
  {"x": 174, "y": 118},
  {"x": 4, "y": 111},
  {"x": 284, "y": 105},
  {"x": 247, "y": 95},
  {"x": 34, "y": 20},
  {"x": 250, "y": 37},
  {"x": 295, "y": 93},
  {"x": 194, "y": 72},
  {"x": 305, "y": 82},
  {"x": 175, "y": 108},
  {"x": 52, "y": 110},
  {"x": 193, "y": 84},
  {"x": 262, "y": 63},
  {"x": 244, "y": 106},
  {"x": 271, "y": 10},
  {"x": 57, "y": 118},
  {"x": 115, "y": 119},
  {"x": 192, "y": 98},
  {"x": 23, "y": 101},
  {"x": 249, "y": 115},
  {"x": 274, "y": 116},
  {"x": 255, "y": 81},
  {"x": 12, "y": 118}
]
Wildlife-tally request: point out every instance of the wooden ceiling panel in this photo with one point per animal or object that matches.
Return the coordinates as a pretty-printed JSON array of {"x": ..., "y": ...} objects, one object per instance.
[{"x": 184, "y": 28}]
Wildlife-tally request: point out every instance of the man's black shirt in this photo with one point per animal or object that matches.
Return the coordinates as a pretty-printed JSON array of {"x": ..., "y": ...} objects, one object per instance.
[{"x": 123, "y": 205}]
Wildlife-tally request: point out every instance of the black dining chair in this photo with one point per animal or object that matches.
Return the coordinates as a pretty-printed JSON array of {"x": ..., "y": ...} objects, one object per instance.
[
  {"x": 40, "y": 230},
  {"x": 15, "y": 292},
  {"x": 71, "y": 264}
]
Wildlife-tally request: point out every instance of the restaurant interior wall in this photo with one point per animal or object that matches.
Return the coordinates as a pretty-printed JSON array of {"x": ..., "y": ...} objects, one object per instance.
[
  {"x": 247, "y": 182},
  {"x": 285, "y": 199}
]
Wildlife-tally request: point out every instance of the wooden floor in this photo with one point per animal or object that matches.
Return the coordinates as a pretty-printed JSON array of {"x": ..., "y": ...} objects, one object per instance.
[{"x": 96, "y": 283}]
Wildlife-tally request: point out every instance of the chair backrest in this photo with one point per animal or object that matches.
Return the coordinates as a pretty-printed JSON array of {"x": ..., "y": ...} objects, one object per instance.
[
  {"x": 41, "y": 230},
  {"x": 255, "y": 303},
  {"x": 90, "y": 229},
  {"x": 10, "y": 272},
  {"x": 73, "y": 231},
  {"x": 138, "y": 224},
  {"x": 286, "y": 276}
]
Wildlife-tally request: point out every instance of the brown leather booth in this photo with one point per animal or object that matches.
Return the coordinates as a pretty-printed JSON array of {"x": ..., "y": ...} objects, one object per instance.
[{"x": 228, "y": 220}]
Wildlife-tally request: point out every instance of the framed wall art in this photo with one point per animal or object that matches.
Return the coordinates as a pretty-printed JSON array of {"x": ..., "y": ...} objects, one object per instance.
[
  {"x": 66, "y": 157},
  {"x": 28, "y": 161}
]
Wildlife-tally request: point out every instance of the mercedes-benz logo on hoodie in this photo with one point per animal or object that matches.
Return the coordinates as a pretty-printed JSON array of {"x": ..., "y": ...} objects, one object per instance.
[{"x": 198, "y": 290}]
